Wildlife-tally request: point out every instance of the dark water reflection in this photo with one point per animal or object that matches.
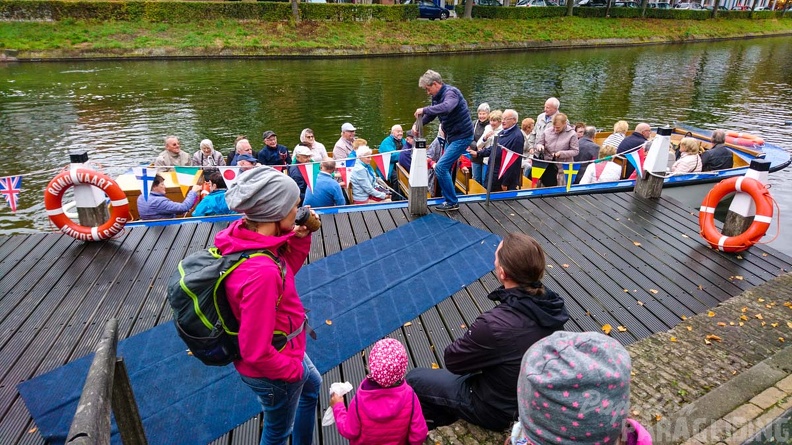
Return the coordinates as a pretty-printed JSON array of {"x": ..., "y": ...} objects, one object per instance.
[{"x": 120, "y": 111}]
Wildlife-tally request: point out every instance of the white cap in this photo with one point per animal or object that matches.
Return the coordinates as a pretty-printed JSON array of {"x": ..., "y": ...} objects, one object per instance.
[
  {"x": 348, "y": 127},
  {"x": 302, "y": 150}
]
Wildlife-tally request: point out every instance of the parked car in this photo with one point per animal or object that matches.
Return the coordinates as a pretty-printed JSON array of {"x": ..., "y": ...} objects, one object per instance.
[
  {"x": 488, "y": 3},
  {"x": 428, "y": 10},
  {"x": 526, "y": 3},
  {"x": 626, "y": 5},
  {"x": 594, "y": 3},
  {"x": 660, "y": 5},
  {"x": 686, "y": 5}
]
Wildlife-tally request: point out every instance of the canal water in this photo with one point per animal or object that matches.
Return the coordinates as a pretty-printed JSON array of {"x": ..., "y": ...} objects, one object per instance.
[{"x": 120, "y": 111}]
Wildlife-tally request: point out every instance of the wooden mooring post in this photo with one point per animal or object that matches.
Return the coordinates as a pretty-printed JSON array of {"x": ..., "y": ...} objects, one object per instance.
[
  {"x": 106, "y": 388},
  {"x": 419, "y": 174},
  {"x": 91, "y": 207},
  {"x": 650, "y": 183},
  {"x": 742, "y": 209}
]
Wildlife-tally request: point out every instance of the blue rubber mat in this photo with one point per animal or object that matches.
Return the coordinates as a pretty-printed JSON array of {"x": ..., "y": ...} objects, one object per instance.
[{"x": 367, "y": 291}]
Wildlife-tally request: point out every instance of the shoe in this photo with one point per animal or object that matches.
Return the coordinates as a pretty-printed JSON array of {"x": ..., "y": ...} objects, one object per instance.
[{"x": 446, "y": 207}]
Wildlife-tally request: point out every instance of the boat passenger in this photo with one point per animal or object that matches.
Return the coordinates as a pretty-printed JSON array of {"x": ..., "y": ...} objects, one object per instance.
[
  {"x": 405, "y": 157},
  {"x": 619, "y": 133},
  {"x": 526, "y": 126},
  {"x": 718, "y": 157},
  {"x": 318, "y": 150},
  {"x": 589, "y": 151},
  {"x": 207, "y": 157},
  {"x": 689, "y": 160},
  {"x": 580, "y": 128},
  {"x": 484, "y": 144},
  {"x": 158, "y": 206},
  {"x": 364, "y": 181},
  {"x": 551, "y": 107},
  {"x": 214, "y": 203},
  {"x": 604, "y": 170},
  {"x": 246, "y": 162},
  {"x": 393, "y": 144},
  {"x": 479, "y": 128},
  {"x": 558, "y": 143},
  {"x": 572, "y": 416},
  {"x": 303, "y": 155},
  {"x": 510, "y": 138},
  {"x": 636, "y": 141},
  {"x": 268, "y": 306},
  {"x": 326, "y": 191},
  {"x": 273, "y": 153},
  {"x": 242, "y": 147},
  {"x": 343, "y": 147},
  {"x": 479, "y": 383},
  {"x": 172, "y": 155}
]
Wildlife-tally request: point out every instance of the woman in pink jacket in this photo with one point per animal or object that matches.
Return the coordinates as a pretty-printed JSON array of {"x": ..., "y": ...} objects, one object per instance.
[
  {"x": 559, "y": 143},
  {"x": 263, "y": 297},
  {"x": 385, "y": 409}
]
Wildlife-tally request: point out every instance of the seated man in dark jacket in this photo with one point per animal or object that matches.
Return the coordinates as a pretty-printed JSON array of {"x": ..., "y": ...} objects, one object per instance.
[
  {"x": 718, "y": 157},
  {"x": 479, "y": 383}
]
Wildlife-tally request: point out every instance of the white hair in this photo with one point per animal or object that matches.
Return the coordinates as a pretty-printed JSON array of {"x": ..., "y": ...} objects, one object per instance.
[
  {"x": 363, "y": 151},
  {"x": 554, "y": 102},
  {"x": 484, "y": 107},
  {"x": 207, "y": 143}
]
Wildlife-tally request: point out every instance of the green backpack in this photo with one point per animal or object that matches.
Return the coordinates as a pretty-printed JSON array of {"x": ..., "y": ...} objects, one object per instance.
[{"x": 201, "y": 311}]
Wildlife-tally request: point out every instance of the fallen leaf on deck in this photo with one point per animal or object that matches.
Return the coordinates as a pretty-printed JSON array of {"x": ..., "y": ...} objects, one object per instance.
[
  {"x": 607, "y": 329},
  {"x": 761, "y": 300},
  {"x": 764, "y": 323},
  {"x": 328, "y": 322},
  {"x": 759, "y": 316},
  {"x": 713, "y": 337},
  {"x": 658, "y": 417},
  {"x": 789, "y": 324},
  {"x": 684, "y": 317},
  {"x": 731, "y": 323},
  {"x": 720, "y": 323},
  {"x": 673, "y": 339},
  {"x": 565, "y": 266},
  {"x": 189, "y": 352},
  {"x": 685, "y": 236},
  {"x": 744, "y": 309},
  {"x": 463, "y": 326},
  {"x": 710, "y": 314},
  {"x": 654, "y": 291},
  {"x": 549, "y": 266},
  {"x": 781, "y": 339},
  {"x": 626, "y": 290},
  {"x": 769, "y": 306},
  {"x": 689, "y": 328},
  {"x": 33, "y": 430},
  {"x": 435, "y": 366},
  {"x": 700, "y": 287},
  {"x": 738, "y": 277},
  {"x": 636, "y": 413},
  {"x": 741, "y": 323},
  {"x": 775, "y": 325},
  {"x": 743, "y": 318},
  {"x": 622, "y": 329},
  {"x": 764, "y": 254},
  {"x": 409, "y": 323},
  {"x": 636, "y": 243},
  {"x": 640, "y": 303},
  {"x": 788, "y": 304},
  {"x": 707, "y": 342},
  {"x": 739, "y": 257}
]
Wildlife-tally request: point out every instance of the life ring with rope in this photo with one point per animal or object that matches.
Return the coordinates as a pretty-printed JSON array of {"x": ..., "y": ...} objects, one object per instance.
[
  {"x": 743, "y": 139},
  {"x": 53, "y": 203},
  {"x": 757, "y": 229}
]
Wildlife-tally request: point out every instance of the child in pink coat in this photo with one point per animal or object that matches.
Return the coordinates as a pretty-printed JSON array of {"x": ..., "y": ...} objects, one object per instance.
[{"x": 385, "y": 409}]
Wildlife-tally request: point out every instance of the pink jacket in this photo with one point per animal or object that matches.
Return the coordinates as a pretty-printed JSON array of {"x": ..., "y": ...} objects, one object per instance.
[
  {"x": 564, "y": 143},
  {"x": 385, "y": 416},
  {"x": 253, "y": 289}
]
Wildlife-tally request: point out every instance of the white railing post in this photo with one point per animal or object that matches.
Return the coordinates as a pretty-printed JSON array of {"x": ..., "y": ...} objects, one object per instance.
[
  {"x": 650, "y": 185},
  {"x": 91, "y": 206},
  {"x": 742, "y": 209}
]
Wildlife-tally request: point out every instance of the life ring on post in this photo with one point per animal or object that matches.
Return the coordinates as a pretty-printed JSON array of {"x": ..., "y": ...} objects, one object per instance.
[
  {"x": 53, "y": 202},
  {"x": 743, "y": 139},
  {"x": 757, "y": 229}
]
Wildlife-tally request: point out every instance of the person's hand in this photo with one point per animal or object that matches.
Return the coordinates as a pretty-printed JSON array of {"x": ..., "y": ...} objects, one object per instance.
[
  {"x": 465, "y": 170},
  {"x": 539, "y": 147},
  {"x": 335, "y": 398},
  {"x": 196, "y": 188},
  {"x": 418, "y": 113},
  {"x": 472, "y": 152},
  {"x": 302, "y": 231},
  {"x": 488, "y": 134}
]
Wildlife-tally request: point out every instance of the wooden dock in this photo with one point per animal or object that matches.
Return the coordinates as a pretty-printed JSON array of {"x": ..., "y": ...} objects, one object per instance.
[{"x": 616, "y": 259}]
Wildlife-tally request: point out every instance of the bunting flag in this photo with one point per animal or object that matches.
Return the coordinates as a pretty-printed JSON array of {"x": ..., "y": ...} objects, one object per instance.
[
  {"x": 230, "y": 175},
  {"x": 537, "y": 170},
  {"x": 186, "y": 177},
  {"x": 344, "y": 172},
  {"x": 570, "y": 170},
  {"x": 10, "y": 186},
  {"x": 383, "y": 164},
  {"x": 635, "y": 160},
  {"x": 350, "y": 162},
  {"x": 309, "y": 172},
  {"x": 507, "y": 159},
  {"x": 144, "y": 178}
]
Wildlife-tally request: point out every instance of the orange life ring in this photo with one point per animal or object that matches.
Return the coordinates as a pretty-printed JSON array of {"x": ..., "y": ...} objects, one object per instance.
[
  {"x": 757, "y": 229},
  {"x": 743, "y": 139},
  {"x": 53, "y": 202}
]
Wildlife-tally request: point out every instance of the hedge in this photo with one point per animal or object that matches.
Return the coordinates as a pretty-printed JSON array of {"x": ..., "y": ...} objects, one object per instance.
[
  {"x": 499, "y": 12},
  {"x": 186, "y": 12}
]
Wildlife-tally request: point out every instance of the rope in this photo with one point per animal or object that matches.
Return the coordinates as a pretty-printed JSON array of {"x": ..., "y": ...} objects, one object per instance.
[{"x": 778, "y": 218}]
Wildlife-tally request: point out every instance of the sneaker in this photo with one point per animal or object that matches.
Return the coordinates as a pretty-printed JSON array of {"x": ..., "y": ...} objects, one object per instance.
[{"x": 446, "y": 207}]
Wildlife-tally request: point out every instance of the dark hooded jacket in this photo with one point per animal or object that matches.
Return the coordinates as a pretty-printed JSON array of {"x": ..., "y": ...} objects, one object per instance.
[
  {"x": 452, "y": 109},
  {"x": 492, "y": 349}
]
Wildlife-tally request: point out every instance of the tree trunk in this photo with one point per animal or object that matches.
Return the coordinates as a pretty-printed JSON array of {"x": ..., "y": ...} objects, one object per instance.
[
  {"x": 644, "y": 5},
  {"x": 715, "y": 5},
  {"x": 753, "y": 6},
  {"x": 295, "y": 10},
  {"x": 607, "y": 9},
  {"x": 468, "y": 9},
  {"x": 570, "y": 6}
]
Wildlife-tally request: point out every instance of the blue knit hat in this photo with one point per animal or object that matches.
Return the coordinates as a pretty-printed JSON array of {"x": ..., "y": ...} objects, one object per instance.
[{"x": 574, "y": 387}]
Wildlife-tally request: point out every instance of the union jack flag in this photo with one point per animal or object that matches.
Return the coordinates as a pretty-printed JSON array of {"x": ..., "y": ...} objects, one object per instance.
[{"x": 10, "y": 186}]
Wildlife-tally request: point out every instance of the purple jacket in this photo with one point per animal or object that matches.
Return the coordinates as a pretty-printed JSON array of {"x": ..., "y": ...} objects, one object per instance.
[
  {"x": 384, "y": 416},
  {"x": 253, "y": 289},
  {"x": 158, "y": 206}
]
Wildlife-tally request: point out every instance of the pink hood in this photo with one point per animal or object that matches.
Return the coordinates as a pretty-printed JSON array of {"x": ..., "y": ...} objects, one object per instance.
[
  {"x": 383, "y": 416},
  {"x": 253, "y": 289}
]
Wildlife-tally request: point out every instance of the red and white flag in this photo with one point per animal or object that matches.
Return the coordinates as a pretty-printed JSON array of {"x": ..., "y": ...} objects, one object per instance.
[{"x": 508, "y": 158}]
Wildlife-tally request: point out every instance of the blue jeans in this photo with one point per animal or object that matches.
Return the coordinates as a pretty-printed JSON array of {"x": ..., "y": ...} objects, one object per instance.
[
  {"x": 478, "y": 173},
  {"x": 443, "y": 168},
  {"x": 289, "y": 408}
]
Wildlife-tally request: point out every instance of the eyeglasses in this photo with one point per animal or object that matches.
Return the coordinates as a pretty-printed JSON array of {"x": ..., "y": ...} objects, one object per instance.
[{"x": 309, "y": 136}]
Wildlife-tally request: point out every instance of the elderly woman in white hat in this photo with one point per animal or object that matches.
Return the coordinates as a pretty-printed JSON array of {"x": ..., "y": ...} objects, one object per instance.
[
  {"x": 264, "y": 301},
  {"x": 364, "y": 181}
]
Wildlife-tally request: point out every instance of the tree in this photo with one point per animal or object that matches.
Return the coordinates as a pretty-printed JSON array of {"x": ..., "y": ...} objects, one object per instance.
[
  {"x": 644, "y": 5},
  {"x": 295, "y": 10},
  {"x": 715, "y": 5},
  {"x": 570, "y": 5},
  {"x": 468, "y": 9}
]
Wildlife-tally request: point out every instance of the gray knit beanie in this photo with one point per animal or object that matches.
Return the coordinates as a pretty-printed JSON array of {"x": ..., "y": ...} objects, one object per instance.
[
  {"x": 574, "y": 387},
  {"x": 263, "y": 194}
]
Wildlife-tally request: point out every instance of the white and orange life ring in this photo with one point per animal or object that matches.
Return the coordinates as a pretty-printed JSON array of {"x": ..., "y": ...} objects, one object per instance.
[
  {"x": 757, "y": 229},
  {"x": 743, "y": 139},
  {"x": 53, "y": 202}
]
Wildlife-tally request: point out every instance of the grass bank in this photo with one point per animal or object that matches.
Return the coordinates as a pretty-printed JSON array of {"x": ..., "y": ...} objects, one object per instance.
[{"x": 87, "y": 39}]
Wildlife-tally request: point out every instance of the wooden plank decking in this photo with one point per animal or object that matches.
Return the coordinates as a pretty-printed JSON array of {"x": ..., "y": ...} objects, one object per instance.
[{"x": 616, "y": 258}]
